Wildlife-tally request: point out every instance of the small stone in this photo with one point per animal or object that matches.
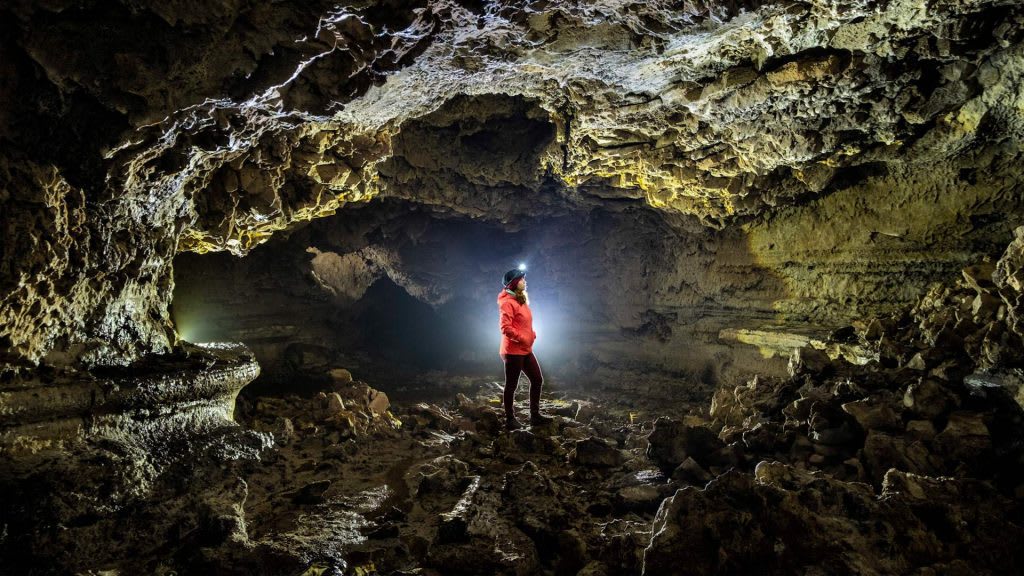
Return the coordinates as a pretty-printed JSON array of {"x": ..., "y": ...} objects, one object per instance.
[
  {"x": 979, "y": 276},
  {"x": 916, "y": 363},
  {"x": 378, "y": 402},
  {"x": 643, "y": 498},
  {"x": 340, "y": 375},
  {"x": 335, "y": 403},
  {"x": 874, "y": 330},
  {"x": 984, "y": 307}
]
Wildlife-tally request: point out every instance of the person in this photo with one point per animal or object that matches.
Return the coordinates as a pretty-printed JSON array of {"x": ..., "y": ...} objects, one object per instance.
[{"x": 516, "y": 351}]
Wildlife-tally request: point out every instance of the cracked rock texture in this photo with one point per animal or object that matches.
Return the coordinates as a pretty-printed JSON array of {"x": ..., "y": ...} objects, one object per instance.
[{"x": 175, "y": 128}]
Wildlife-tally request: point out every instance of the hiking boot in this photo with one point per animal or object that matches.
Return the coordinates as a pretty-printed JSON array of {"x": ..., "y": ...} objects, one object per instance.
[
  {"x": 513, "y": 424},
  {"x": 538, "y": 419}
]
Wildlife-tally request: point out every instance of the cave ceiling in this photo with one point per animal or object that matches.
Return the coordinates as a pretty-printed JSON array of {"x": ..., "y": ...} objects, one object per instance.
[
  {"x": 150, "y": 128},
  {"x": 247, "y": 118}
]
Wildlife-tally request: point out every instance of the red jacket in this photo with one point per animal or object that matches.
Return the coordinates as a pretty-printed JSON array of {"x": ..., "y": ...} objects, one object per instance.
[{"x": 516, "y": 322}]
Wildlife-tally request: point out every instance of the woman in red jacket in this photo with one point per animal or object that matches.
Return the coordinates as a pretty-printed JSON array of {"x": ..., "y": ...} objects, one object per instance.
[{"x": 517, "y": 336}]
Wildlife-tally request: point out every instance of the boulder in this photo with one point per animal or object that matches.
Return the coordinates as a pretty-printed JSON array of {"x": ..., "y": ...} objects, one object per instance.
[
  {"x": 671, "y": 443},
  {"x": 929, "y": 398},
  {"x": 596, "y": 452},
  {"x": 690, "y": 472},
  {"x": 882, "y": 452},
  {"x": 879, "y": 411},
  {"x": 965, "y": 437},
  {"x": 808, "y": 360}
]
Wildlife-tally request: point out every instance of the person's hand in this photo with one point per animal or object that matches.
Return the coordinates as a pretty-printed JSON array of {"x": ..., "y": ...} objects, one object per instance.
[{"x": 533, "y": 336}]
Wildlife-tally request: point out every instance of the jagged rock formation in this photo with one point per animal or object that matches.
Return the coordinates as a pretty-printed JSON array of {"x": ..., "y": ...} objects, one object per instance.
[{"x": 709, "y": 111}]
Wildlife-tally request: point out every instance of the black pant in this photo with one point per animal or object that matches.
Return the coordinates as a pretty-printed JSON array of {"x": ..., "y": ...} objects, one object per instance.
[{"x": 514, "y": 364}]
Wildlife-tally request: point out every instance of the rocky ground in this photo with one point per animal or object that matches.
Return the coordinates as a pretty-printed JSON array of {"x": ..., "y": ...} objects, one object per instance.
[{"x": 911, "y": 463}]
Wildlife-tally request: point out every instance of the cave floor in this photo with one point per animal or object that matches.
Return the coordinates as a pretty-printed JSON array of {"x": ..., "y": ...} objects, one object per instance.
[{"x": 437, "y": 483}]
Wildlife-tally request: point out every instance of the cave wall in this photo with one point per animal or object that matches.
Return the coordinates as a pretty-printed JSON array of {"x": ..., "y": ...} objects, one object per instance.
[
  {"x": 150, "y": 142},
  {"x": 636, "y": 293}
]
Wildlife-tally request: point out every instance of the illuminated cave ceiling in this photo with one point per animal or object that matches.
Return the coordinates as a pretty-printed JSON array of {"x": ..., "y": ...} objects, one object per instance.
[{"x": 137, "y": 130}]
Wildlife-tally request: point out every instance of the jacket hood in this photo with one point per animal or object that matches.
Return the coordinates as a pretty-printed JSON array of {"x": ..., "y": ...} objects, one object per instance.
[{"x": 504, "y": 294}]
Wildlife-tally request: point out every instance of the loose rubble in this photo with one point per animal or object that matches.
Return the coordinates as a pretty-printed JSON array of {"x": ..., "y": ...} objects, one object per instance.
[{"x": 911, "y": 463}]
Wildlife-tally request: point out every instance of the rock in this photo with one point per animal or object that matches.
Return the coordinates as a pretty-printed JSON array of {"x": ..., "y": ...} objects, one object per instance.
[
  {"x": 442, "y": 475},
  {"x": 595, "y": 452},
  {"x": 766, "y": 437},
  {"x": 874, "y": 330},
  {"x": 568, "y": 410},
  {"x": 517, "y": 444},
  {"x": 833, "y": 436},
  {"x": 691, "y": 472},
  {"x": 378, "y": 402},
  {"x": 929, "y": 398},
  {"x": 334, "y": 403},
  {"x": 844, "y": 334},
  {"x": 340, "y": 376},
  {"x": 916, "y": 362},
  {"x": 965, "y": 437},
  {"x": 809, "y": 361},
  {"x": 1009, "y": 381},
  {"x": 643, "y": 498},
  {"x": 879, "y": 411},
  {"x": 671, "y": 443},
  {"x": 454, "y": 526},
  {"x": 595, "y": 568},
  {"x": 979, "y": 277},
  {"x": 537, "y": 505},
  {"x": 309, "y": 359},
  {"x": 921, "y": 430},
  {"x": 883, "y": 451},
  {"x": 425, "y": 415},
  {"x": 984, "y": 307},
  {"x": 739, "y": 525},
  {"x": 312, "y": 493}
]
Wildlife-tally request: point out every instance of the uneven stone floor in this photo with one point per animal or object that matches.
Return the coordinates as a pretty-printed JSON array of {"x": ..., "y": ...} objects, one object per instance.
[
  {"x": 906, "y": 459},
  {"x": 443, "y": 486},
  {"x": 792, "y": 475}
]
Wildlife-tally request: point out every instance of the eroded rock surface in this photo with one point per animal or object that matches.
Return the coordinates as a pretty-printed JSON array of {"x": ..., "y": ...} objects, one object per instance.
[{"x": 210, "y": 129}]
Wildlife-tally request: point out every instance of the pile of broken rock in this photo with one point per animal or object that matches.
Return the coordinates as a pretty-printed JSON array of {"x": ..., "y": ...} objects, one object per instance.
[
  {"x": 909, "y": 464},
  {"x": 912, "y": 463}
]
